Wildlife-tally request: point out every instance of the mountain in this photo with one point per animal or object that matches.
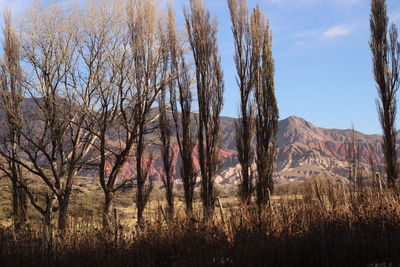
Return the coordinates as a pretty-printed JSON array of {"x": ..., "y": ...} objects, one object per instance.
[{"x": 304, "y": 150}]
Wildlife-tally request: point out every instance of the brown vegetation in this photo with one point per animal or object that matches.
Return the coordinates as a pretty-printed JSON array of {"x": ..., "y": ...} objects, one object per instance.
[{"x": 328, "y": 226}]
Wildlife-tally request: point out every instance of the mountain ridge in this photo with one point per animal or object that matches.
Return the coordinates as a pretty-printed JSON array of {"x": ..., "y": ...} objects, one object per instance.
[{"x": 303, "y": 150}]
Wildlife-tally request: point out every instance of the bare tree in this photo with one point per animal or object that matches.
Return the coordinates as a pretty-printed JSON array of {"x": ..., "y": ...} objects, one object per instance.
[
  {"x": 123, "y": 65},
  {"x": 11, "y": 97},
  {"x": 210, "y": 87},
  {"x": 12, "y": 101},
  {"x": 375, "y": 169},
  {"x": 147, "y": 79},
  {"x": 354, "y": 164},
  {"x": 267, "y": 113},
  {"x": 244, "y": 66},
  {"x": 105, "y": 61},
  {"x": 164, "y": 124},
  {"x": 386, "y": 53},
  {"x": 180, "y": 94},
  {"x": 167, "y": 153},
  {"x": 53, "y": 140}
]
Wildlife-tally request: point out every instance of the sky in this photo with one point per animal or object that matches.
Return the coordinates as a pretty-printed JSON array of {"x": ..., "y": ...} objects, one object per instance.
[{"x": 322, "y": 58}]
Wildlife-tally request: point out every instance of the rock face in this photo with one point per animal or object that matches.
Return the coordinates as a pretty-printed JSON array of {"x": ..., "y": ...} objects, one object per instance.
[{"x": 304, "y": 150}]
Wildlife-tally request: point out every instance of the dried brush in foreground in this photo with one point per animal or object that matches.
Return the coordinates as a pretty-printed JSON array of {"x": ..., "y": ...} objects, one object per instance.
[{"x": 329, "y": 225}]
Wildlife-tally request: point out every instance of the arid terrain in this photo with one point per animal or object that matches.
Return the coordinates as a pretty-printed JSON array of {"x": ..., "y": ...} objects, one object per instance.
[{"x": 304, "y": 150}]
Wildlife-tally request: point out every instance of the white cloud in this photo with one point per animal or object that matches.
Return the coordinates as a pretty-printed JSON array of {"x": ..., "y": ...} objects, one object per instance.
[
  {"x": 337, "y": 31},
  {"x": 321, "y": 33}
]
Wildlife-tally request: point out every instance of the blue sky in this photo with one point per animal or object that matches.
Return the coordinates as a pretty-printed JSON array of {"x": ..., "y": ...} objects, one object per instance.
[{"x": 322, "y": 57}]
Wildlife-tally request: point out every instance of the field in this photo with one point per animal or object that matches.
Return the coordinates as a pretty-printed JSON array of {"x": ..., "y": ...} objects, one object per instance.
[
  {"x": 327, "y": 225},
  {"x": 87, "y": 200}
]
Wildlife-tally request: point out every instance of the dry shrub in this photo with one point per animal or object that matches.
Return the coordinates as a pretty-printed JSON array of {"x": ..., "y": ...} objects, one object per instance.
[{"x": 329, "y": 225}]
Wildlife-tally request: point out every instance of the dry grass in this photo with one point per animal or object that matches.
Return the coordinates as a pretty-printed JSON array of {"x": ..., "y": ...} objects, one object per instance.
[{"x": 329, "y": 225}]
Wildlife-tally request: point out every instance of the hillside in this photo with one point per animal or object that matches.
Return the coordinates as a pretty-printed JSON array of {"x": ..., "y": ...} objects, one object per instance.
[{"x": 304, "y": 150}]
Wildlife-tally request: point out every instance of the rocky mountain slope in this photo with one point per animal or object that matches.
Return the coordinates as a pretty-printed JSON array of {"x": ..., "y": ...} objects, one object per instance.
[{"x": 304, "y": 150}]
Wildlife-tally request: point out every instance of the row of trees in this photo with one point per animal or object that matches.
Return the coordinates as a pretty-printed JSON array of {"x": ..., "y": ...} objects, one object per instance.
[{"x": 84, "y": 86}]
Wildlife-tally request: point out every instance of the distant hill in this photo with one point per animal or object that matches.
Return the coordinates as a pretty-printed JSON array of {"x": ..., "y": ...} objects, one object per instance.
[{"x": 304, "y": 150}]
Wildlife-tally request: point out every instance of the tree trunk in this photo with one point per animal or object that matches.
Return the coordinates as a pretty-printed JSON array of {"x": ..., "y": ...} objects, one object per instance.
[
  {"x": 22, "y": 206},
  {"x": 19, "y": 202},
  {"x": 139, "y": 204},
  {"x": 63, "y": 213},
  {"x": 49, "y": 209},
  {"x": 208, "y": 201},
  {"x": 171, "y": 208},
  {"x": 108, "y": 207},
  {"x": 188, "y": 202}
]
